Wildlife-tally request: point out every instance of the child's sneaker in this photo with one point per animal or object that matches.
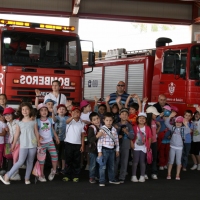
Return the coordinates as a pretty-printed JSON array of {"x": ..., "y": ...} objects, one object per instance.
[
  {"x": 184, "y": 169},
  {"x": 121, "y": 181},
  {"x": 178, "y": 178},
  {"x": 76, "y": 180},
  {"x": 134, "y": 179},
  {"x": 194, "y": 167},
  {"x": 92, "y": 180},
  {"x": 101, "y": 184},
  {"x": 51, "y": 175},
  {"x": 42, "y": 179},
  {"x": 142, "y": 179},
  {"x": 165, "y": 167},
  {"x": 154, "y": 176},
  {"x": 146, "y": 177},
  {"x": 114, "y": 182},
  {"x": 198, "y": 168},
  {"x": 66, "y": 179},
  {"x": 161, "y": 168}
]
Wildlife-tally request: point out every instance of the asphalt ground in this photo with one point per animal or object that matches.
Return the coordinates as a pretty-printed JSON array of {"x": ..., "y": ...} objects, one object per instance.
[{"x": 188, "y": 188}]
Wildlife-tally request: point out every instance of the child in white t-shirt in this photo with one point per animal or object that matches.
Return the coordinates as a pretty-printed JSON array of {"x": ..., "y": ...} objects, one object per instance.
[
  {"x": 47, "y": 133},
  {"x": 74, "y": 145}
]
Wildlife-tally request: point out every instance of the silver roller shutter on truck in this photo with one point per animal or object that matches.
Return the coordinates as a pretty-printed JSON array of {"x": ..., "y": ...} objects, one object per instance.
[
  {"x": 93, "y": 83},
  {"x": 136, "y": 79},
  {"x": 113, "y": 74}
]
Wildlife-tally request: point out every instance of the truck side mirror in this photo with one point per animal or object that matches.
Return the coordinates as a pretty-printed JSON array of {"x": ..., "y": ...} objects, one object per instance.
[{"x": 91, "y": 59}]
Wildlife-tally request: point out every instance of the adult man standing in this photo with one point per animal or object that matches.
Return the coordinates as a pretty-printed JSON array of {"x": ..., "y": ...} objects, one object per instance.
[
  {"x": 120, "y": 92},
  {"x": 161, "y": 103}
]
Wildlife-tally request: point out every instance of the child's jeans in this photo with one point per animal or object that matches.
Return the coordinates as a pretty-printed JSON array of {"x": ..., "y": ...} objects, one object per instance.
[
  {"x": 186, "y": 151},
  {"x": 93, "y": 167},
  {"x": 109, "y": 161},
  {"x": 1, "y": 154},
  {"x": 15, "y": 153}
]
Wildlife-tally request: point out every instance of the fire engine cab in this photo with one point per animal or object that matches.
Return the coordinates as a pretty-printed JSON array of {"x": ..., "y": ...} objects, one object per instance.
[
  {"x": 32, "y": 55},
  {"x": 170, "y": 70}
]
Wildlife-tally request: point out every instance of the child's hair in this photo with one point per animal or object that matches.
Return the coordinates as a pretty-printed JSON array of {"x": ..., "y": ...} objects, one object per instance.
[
  {"x": 108, "y": 114},
  {"x": 149, "y": 119},
  {"x": 38, "y": 113},
  {"x": 19, "y": 112},
  {"x": 188, "y": 111},
  {"x": 1, "y": 112},
  {"x": 102, "y": 105},
  {"x": 135, "y": 106},
  {"x": 93, "y": 114},
  {"x": 56, "y": 81},
  {"x": 193, "y": 118},
  {"x": 4, "y": 95},
  {"x": 115, "y": 105}
]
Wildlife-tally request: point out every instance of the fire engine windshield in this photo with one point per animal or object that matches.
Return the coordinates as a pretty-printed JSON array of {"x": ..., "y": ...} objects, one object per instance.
[
  {"x": 195, "y": 63},
  {"x": 41, "y": 50}
]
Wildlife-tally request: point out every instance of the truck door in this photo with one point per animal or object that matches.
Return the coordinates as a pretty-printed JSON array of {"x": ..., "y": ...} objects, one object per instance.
[{"x": 173, "y": 76}]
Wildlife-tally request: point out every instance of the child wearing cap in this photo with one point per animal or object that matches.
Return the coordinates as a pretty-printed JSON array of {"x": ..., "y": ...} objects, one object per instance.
[
  {"x": 60, "y": 127},
  {"x": 152, "y": 113},
  {"x": 176, "y": 142},
  {"x": 125, "y": 134},
  {"x": 140, "y": 145},
  {"x": 187, "y": 141},
  {"x": 47, "y": 132},
  {"x": 86, "y": 110},
  {"x": 12, "y": 124},
  {"x": 74, "y": 145}
]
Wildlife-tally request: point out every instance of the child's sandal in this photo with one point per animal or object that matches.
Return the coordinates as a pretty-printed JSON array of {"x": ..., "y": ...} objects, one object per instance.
[{"x": 178, "y": 178}]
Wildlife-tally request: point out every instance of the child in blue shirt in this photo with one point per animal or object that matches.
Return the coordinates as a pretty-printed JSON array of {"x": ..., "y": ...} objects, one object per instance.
[{"x": 60, "y": 128}]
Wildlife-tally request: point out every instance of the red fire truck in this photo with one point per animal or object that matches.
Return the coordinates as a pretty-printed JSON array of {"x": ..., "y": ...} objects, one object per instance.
[
  {"x": 33, "y": 55},
  {"x": 170, "y": 70}
]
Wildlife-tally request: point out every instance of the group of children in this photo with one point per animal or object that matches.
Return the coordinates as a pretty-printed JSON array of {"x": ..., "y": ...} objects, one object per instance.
[{"x": 110, "y": 136}]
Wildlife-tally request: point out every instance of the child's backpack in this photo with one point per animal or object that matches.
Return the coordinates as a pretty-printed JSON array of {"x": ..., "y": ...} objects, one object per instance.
[
  {"x": 182, "y": 133},
  {"x": 92, "y": 145},
  {"x": 39, "y": 125}
]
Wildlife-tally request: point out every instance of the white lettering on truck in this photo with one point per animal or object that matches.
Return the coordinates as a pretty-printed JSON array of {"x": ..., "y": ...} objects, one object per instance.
[{"x": 42, "y": 80}]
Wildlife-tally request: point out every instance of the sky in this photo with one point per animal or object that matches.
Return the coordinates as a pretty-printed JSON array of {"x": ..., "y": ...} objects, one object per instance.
[{"x": 108, "y": 35}]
